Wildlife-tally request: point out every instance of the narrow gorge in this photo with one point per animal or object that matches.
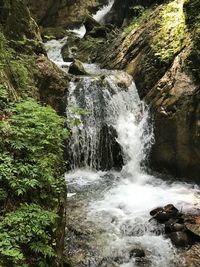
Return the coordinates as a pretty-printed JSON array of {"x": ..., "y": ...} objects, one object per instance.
[{"x": 100, "y": 133}]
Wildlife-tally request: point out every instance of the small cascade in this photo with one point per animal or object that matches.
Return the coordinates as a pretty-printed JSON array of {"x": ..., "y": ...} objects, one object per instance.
[
  {"x": 108, "y": 211},
  {"x": 103, "y": 11},
  {"x": 96, "y": 103},
  {"x": 121, "y": 201},
  {"x": 53, "y": 48}
]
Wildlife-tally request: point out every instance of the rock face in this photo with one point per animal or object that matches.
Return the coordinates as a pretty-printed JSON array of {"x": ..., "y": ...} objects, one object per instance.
[
  {"x": 52, "y": 84},
  {"x": 123, "y": 11},
  {"x": 164, "y": 63},
  {"x": 175, "y": 103},
  {"x": 62, "y": 13}
]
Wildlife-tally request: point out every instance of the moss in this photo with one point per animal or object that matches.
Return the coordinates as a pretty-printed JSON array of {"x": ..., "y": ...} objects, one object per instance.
[
  {"x": 17, "y": 69},
  {"x": 137, "y": 21},
  {"x": 192, "y": 8},
  {"x": 172, "y": 35}
]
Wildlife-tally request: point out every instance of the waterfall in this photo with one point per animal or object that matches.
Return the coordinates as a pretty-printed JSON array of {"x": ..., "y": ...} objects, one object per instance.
[
  {"x": 121, "y": 209},
  {"x": 101, "y": 99},
  {"x": 111, "y": 131},
  {"x": 103, "y": 11}
]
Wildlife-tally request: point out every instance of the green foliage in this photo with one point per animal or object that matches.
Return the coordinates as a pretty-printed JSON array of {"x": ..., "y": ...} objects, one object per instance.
[
  {"x": 142, "y": 14},
  {"x": 25, "y": 232},
  {"x": 171, "y": 36},
  {"x": 19, "y": 73},
  {"x": 32, "y": 150},
  {"x": 4, "y": 97},
  {"x": 13, "y": 65},
  {"x": 31, "y": 172},
  {"x": 5, "y": 51},
  {"x": 74, "y": 115}
]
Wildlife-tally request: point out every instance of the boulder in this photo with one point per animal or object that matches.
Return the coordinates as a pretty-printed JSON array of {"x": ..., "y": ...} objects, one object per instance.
[
  {"x": 194, "y": 228},
  {"x": 174, "y": 225},
  {"x": 76, "y": 68},
  {"x": 162, "y": 215},
  {"x": 137, "y": 253},
  {"x": 90, "y": 23},
  {"x": 155, "y": 211},
  {"x": 98, "y": 32},
  {"x": 180, "y": 239},
  {"x": 52, "y": 83}
]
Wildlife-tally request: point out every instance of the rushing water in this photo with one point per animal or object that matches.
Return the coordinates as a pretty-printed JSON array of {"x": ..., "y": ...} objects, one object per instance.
[
  {"x": 117, "y": 202},
  {"x": 122, "y": 208},
  {"x": 103, "y": 11}
]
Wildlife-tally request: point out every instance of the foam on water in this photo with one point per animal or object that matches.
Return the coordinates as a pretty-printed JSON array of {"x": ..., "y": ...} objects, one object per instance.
[
  {"x": 103, "y": 11},
  {"x": 53, "y": 48},
  {"x": 123, "y": 210}
]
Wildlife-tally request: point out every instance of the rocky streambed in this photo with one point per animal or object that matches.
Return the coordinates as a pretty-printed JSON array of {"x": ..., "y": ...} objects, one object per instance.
[{"x": 113, "y": 217}]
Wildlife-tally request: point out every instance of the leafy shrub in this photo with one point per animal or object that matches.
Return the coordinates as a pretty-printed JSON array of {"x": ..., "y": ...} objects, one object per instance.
[
  {"x": 26, "y": 232},
  {"x": 31, "y": 182},
  {"x": 32, "y": 150}
]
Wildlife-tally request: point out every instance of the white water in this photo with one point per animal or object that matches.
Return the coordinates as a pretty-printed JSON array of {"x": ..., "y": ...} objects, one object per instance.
[
  {"x": 103, "y": 104},
  {"x": 54, "y": 47},
  {"x": 103, "y": 11},
  {"x": 123, "y": 210},
  {"x": 98, "y": 17}
]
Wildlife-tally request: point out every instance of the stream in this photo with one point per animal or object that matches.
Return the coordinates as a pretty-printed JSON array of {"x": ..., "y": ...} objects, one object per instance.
[{"x": 108, "y": 221}]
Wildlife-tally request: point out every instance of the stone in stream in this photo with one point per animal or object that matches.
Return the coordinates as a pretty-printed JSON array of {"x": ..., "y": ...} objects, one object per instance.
[
  {"x": 194, "y": 229},
  {"x": 180, "y": 239},
  {"x": 76, "y": 68},
  {"x": 137, "y": 253},
  {"x": 182, "y": 229},
  {"x": 90, "y": 23},
  {"x": 155, "y": 211},
  {"x": 164, "y": 214},
  {"x": 174, "y": 225}
]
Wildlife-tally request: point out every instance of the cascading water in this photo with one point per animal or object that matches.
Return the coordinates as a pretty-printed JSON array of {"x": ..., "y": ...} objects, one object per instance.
[
  {"x": 108, "y": 212},
  {"x": 93, "y": 141},
  {"x": 103, "y": 11},
  {"x": 122, "y": 208}
]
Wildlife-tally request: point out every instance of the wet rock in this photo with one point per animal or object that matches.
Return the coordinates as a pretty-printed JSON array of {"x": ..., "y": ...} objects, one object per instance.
[
  {"x": 170, "y": 208},
  {"x": 162, "y": 215},
  {"x": 70, "y": 49},
  {"x": 107, "y": 262},
  {"x": 194, "y": 228},
  {"x": 90, "y": 23},
  {"x": 52, "y": 83},
  {"x": 191, "y": 256},
  {"x": 76, "y": 68},
  {"x": 174, "y": 226},
  {"x": 180, "y": 239},
  {"x": 52, "y": 33},
  {"x": 137, "y": 253},
  {"x": 155, "y": 211},
  {"x": 99, "y": 32}
]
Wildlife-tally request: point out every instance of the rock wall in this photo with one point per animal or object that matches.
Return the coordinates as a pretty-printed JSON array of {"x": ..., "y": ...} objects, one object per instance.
[
  {"x": 62, "y": 13},
  {"x": 160, "y": 49}
]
